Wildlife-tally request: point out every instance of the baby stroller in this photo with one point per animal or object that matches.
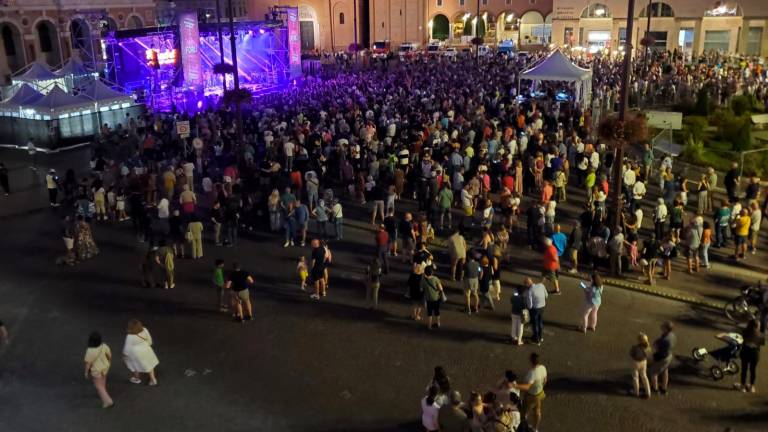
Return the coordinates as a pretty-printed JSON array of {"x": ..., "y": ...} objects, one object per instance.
[{"x": 725, "y": 357}]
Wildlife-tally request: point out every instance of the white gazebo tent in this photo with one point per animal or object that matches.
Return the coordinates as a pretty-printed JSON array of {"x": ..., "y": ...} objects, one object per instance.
[
  {"x": 557, "y": 67},
  {"x": 39, "y": 76},
  {"x": 24, "y": 95},
  {"x": 58, "y": 104},
  {"x": 73, "y": 72},
  {"x": 104, "y": 98}
]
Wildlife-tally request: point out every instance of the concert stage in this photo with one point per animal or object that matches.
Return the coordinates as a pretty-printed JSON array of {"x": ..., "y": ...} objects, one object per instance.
[{"x": 172, "y": 67}]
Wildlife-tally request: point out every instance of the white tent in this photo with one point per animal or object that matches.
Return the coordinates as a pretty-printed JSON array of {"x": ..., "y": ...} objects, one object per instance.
[
  {"x": 58, "y": 102},
  {"x": 100, "y": 93},
  {"x": 38, "y": 76},
  {"x": 557, "y": 67}
]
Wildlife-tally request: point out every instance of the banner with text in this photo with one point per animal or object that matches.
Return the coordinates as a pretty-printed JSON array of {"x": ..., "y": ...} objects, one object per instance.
[
  {"x": 294, "y": 42},
  {"x": 190, "y": 49}
]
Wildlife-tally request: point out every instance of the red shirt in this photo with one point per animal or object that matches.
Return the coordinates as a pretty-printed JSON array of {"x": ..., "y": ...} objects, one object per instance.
[
  {"x": 546, "y": 193},
  {"x": 508, "y": 182},
  {"x": 382, "y": 238},
  {"x": 550, "y": 258}
]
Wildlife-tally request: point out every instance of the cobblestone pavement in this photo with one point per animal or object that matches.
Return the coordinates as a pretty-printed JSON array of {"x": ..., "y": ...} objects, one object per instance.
[{"x": 332, "y": 366}]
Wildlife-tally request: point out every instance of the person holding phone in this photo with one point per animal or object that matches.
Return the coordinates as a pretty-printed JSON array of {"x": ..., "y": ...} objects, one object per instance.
[{"x": 593, "y": 293}]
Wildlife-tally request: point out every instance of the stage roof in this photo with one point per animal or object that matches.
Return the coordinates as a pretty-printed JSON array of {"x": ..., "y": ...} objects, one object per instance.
[{"x": 556, "y": 67}]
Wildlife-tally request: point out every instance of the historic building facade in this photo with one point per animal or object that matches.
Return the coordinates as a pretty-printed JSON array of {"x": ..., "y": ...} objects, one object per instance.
[
  {"x": 692, "y": 26},
  {"x": 50, "y": 31}
]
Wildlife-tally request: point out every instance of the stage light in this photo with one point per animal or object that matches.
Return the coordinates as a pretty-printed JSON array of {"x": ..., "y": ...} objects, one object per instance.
[
  {"x": 200, "y": 104},
  {"x": 510, "y": 17},
  {"x": 262, "y": 31}
]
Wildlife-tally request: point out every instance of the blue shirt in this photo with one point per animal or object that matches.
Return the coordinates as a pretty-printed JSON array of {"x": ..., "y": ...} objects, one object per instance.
[
  {"x": 302, "y": 214},
  {"x": 536, "y": 296},
  {"x": 560, "y": 241}
]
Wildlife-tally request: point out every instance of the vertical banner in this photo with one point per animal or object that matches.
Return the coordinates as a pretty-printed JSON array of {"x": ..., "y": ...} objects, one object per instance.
[
  {"x": 190, "y": 51},
  {"x": 294, "y": 42}
]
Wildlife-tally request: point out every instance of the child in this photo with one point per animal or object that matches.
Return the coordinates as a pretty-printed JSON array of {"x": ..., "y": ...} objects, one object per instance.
[
  {"x": 632, "y": 252},
  {"x": 218, "y": 282},
  {"x": 121, "y": 215},
  {"x": 301, "y": 268},
  {"x": 99, "y": 201}
]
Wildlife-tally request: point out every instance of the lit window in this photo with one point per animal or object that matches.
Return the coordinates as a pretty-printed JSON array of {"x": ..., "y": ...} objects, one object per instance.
[
  {"x": 341, "y": 18},
  {"x": 596, "y": 10}
]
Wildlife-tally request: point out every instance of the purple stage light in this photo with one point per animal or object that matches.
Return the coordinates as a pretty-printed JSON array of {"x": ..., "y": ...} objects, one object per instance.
[
  {"x": 262, "y": 31},
  {"x": 199, "y": 104}
]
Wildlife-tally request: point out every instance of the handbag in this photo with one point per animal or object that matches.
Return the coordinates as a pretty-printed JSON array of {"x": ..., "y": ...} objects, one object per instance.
[
  {"x": 525, "y": 316},
  {"x": 188, "y": 236}
]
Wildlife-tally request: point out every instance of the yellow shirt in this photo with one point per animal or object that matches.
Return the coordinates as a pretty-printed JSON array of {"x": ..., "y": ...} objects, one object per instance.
[
  {"x": 99, "y": 358},
  {"x": 742, "y": 225}
]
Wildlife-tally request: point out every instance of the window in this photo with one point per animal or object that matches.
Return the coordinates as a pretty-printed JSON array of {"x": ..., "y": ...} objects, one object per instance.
[
  {"x": 439, "y": 3},
  {"x": 568, "y": 35},
  {"x": 717, "y": 40},
  {"x": 509, "y": 2},
  {"x": 461, "y": 2},
  {"x": 485, "y": 2},
  {"x": 723, "y": 9},
  {"x": 657, "y": 10},
  {"x": 754, "y": 40},
  {"x": 8, "y": 43},
  {"x": 622, "y": 36},
  {"x": 341, "y": 18},
  {"x": 660, "y": 40},
  {"x": 596, "y": 10},
  {"x": 44, "y": 33}
]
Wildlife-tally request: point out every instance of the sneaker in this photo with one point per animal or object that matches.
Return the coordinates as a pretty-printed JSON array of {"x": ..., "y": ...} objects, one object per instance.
[
  {"x": 314, "y": 297},
  {"x": 135, "y": 380},
  {"x": 291, "y": 242},
  {"x": 286, "y": 244}
]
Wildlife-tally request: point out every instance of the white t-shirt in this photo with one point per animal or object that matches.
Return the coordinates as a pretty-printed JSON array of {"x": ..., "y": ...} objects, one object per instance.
[
  {"x": 288, "y": 149},
  {"x": 189, "y": 169},
  {"x": 466, "y": 198},
  {"x": 536, "y": 378},
  {"x": 162, "y": 209},
  {"x": 429, "y": 415}
]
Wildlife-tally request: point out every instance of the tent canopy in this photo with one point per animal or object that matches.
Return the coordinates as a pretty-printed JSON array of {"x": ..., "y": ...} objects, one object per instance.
[
  {"x": 24, "y": 95},
  {"x": 556, "y": 67},
  {"x": 99, "y": 92},
  {"x": 36, "y": 72},
  {"x": 57, "y": 101},
  {"x": 73, "y": 67}
]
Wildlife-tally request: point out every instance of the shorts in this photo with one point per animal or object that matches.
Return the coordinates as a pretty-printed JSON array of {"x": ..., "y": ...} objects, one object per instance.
[
  {"x": 468, "y": 211},
  {"x": 532, "y": 402},
  {"x": 433, "y": 308},
  {"x": 318, "y": 273},
  {"x": 472, "y": 285},
  {"x": 660, "y": 366},
  {"x": 753, "y": 235},
  {"x": 740, "y": 240},
  {"x": 241, "y": 296},
  {"x": 303, "y": 275},
  {"x": 69, "y": 243},
  {"x": 691, "y": 252},
  {"x": 549, "y": 274}
]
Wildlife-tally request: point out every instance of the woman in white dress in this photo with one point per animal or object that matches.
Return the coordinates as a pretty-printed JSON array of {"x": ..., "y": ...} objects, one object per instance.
[{"x": 138, "y": 353}]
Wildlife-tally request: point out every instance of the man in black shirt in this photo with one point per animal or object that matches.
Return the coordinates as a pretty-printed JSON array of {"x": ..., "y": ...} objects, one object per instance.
[
  {"x": 390, "y": 225},
  {"x": 238, "y": 282},
  {"x": 405, "y": 232}
]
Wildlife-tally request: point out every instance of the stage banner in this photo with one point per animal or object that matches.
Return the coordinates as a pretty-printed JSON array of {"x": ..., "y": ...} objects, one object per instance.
[
  {"x": 190, "y": 49},
  {"x": 294, "y": 42}
]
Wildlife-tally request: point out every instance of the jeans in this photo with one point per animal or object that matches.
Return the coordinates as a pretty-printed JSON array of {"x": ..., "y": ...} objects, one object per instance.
[
  {"x": 721, "y": 235},
  {"x": 704, "y": 254},
  {"x": 749, "y": 359},
  {"x": 383, "y": 253},
  {"x": 339, "y": 229},
  {"x": 230, "y": 232},
  {"x": 311, "y": 198},
  {"x": 274, "y": 220},
  {"x": 290, "y": 230},
  {"x": 537, "y": 324}
]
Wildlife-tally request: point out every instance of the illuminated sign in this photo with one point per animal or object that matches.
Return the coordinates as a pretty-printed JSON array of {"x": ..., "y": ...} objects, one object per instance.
[
  {"x": 294, "y": 42},
  {"x": 157, "y": 58},
  {"x": 190, "y": 51}
]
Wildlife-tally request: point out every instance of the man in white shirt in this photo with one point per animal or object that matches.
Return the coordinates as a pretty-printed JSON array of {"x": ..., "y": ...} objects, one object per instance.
[
  {"x": 660, "y": 218},
  {"x": 189, "y": 172},
  {"x": 533, "y": 383},
  {"x": 288, "y": 149},
  {"x": 466, "y": 201},
  {"x": 52, "y": 184}
]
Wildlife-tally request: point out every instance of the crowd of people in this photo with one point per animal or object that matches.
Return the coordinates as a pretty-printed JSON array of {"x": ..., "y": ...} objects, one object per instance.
[{"x": 484, "y": 169}]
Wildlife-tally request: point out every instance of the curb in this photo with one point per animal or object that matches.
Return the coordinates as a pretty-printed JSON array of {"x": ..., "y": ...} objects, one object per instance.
[{"x": 659, "y": 293}]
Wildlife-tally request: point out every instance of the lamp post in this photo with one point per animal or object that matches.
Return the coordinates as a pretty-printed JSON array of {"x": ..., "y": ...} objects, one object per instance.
[
  {"x": 236, "y": 74},
  {"x": 616, "y": 179},
  {"x": 647, "y": 33},
  {"x": 477, "y": 33},
  {"x": 354, "y": 20}
]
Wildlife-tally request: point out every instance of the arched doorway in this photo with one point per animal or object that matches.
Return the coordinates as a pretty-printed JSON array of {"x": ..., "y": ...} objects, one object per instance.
[
  {"x": 507, "y": 26},
  {"x": 81, "y": 39},
  {"x": 109, "y": 25},
  {"x": 47, "y": 35},
  {"x": 461, "y": 25},
  {"x": 308, "y": 27},
  {"x": 12, "y": 47},
  {"x": 531, "y": 28},
  {"x": 134, "y": 22},
  {"x": 440, "y": 27}
]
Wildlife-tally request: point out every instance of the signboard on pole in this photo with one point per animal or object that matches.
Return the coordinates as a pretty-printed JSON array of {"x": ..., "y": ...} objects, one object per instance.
[
  {"x": 190, "y": 50},
  {"x": 182, "y": 129},
  {"x": 294, "y": 42}
]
